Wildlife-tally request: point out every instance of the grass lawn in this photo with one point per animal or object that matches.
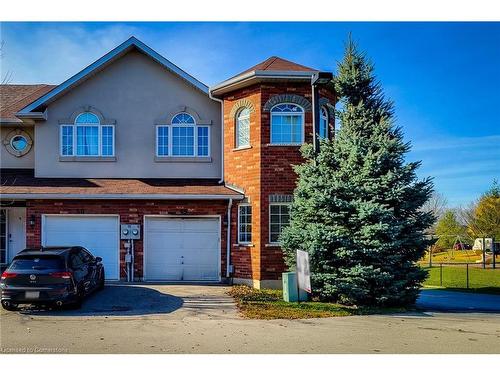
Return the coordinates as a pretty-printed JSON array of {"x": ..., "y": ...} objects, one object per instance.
[
  {"x": 269, "y": 304},
  {"x": 455, "y": 277}
]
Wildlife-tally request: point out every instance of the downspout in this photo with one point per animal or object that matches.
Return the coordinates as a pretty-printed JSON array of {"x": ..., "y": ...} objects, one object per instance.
[
  {"x": 228, "y": 239},
  {"x": 221, "y": 133}
]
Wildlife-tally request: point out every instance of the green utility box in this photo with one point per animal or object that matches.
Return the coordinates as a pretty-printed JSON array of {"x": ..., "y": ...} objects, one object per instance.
[{"x": 290, "y": 290}]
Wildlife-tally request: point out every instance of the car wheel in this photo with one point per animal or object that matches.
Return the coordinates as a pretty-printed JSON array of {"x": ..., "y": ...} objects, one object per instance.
[
  {"x": 101, "y": 281},
  {"x": 78, "y": 301},
  {"x": 7, "y": 305}
]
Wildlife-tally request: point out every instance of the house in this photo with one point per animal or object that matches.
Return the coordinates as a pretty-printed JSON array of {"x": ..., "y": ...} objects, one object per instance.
[{"x": 163, "y": 177}]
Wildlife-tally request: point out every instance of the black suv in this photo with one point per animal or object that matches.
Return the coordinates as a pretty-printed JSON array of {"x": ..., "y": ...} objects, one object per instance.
[{"x": 51, "y": 276}]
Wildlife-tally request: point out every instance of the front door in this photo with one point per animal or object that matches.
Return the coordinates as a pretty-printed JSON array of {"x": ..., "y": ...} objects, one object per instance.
[
  {"x": 16, "y": 231},
  {"x": 3, "y": 236}
]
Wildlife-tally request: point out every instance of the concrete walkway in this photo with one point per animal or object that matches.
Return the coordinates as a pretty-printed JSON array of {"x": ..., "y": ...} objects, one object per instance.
[{"x": 449, "y": 301}]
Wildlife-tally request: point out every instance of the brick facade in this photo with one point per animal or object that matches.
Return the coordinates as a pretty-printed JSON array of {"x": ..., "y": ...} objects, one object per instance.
[
  {"x": 131, "y": 212},
  {"x": 262, "y": 170}
]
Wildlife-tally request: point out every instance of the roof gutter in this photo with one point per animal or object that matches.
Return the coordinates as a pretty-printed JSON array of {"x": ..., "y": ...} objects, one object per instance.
[
  {"x": 254, "y": 75},
  {"x": 221, "y": 133},
  {"x": 123, "y": 196},
  {"x": 32, "y": 115}
]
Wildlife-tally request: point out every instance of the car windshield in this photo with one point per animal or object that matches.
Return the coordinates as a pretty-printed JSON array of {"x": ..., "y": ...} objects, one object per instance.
[{"x": 36, "y": 262}]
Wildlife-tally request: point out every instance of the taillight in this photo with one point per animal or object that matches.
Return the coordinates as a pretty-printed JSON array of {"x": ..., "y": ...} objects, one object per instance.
[
  {"x": 61, "y": 275},
  {"x": 8, "y": 275}
]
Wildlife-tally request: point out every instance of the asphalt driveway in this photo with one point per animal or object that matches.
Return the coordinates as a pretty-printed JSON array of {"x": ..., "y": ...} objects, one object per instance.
[
  {"x": 168, "y": 301},
  {"x": 146, "y": 318}
]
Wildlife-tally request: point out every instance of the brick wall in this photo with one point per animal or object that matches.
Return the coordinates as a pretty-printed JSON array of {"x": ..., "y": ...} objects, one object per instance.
[
  {"x": 262, "y": 170},
  {"x": 131, "y": 212}
]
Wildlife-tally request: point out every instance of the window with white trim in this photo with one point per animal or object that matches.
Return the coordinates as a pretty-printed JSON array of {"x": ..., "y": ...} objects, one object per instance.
[
  {"x": 87, "y": 137},
  {"x": 183, "y": 137},
  {"x": 243, "y": 128},
  {"x": 287, "y": 124},
  {"x": 244, "y": 223},
  {"x": 279, "y": 218},
  {"x": 323, "y": 123}
]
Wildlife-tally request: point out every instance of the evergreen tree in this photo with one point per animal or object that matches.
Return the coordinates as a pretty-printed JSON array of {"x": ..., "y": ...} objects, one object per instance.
[
  {"x": 356, "y": 207},
  {"x": 448, "y": 228}
]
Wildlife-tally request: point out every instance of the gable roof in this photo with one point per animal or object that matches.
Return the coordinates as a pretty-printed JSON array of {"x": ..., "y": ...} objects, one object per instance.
[
  {"x": 273, "y": 68},
  {"x": 114, "y": 54},
  {"x": 15, "y": 97}
]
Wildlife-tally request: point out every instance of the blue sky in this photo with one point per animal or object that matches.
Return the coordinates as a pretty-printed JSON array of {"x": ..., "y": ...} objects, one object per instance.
[{"x": 443, "y": 77}]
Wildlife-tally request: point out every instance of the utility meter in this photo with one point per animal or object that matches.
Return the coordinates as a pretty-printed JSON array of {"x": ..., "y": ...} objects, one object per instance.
[{"x": 130, "y": 231}]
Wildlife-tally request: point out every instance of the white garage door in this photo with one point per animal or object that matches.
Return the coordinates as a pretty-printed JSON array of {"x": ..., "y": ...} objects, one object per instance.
[
  {"x": 98, "y": 234},
  {"x": 185, "y": 249}
]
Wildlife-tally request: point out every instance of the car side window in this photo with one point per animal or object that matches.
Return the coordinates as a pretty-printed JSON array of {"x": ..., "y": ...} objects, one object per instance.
[
  {"x": 85, "y": 255},
  {"x": 75, "y": 260}
]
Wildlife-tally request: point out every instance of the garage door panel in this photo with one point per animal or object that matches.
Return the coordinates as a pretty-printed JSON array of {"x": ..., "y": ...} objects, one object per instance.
[
  {"x": 200, "y": 273},
  {"x": 182, "y": 249},
  {"x": 200, "y": 241},
  {"x": 98, "y": 234}
]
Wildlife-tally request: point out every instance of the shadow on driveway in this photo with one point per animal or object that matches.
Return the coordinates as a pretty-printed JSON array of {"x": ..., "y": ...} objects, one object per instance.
[{"x": 118, "y": 300}]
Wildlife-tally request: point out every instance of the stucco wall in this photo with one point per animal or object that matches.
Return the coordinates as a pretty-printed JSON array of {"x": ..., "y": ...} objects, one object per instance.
[
  {"x": 8, "y": 160},
  {"x": 136, "y": 92}
]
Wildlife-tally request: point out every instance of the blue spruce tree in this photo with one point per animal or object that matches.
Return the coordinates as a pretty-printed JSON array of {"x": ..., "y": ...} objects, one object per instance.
[{"x": 357, "y": 205}]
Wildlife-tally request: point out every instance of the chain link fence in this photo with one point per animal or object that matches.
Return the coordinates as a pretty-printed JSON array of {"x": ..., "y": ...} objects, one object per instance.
[{"x": 462, "y": 275}]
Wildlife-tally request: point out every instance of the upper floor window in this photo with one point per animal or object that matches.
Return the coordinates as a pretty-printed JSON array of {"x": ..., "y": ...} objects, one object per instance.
[
  {"x": 243, "y": 128},
  {"x": 323, "y": 123},
  {"x": 183, "y": 137},
  {"x": 287, "y": 124},
  {"x": 87, "y": 137}
]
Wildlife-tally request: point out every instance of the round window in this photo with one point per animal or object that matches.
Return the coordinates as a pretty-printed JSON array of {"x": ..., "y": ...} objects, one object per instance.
[{"x": 19, "y": 143}]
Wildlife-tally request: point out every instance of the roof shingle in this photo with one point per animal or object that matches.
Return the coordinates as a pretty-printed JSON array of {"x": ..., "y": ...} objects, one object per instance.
[
  {"x": 13, "y": 98},
  {"x": 18, "y": 183}
]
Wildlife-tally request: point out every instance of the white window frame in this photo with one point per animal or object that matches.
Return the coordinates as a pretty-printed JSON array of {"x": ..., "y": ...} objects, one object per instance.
[
  {"x": 276, "y": 204},
  {"x": 112, "y": 140},
  {"x": 99, "y": 140},
  {"x": 239, "y": 222},
  {"x": 302, "y": 116},
  {"x": 237, "y": 128},
  {"x": 195, "y": 127},
  {"x": 323, "y": 118},
  {"x": 169, "y": 151}
]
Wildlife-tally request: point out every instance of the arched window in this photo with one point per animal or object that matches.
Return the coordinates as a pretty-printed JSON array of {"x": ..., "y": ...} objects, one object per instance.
[
  {"x": 243, "y": 128},
  {"x": 323, "y": 123},
  {"x": 287, "y": 124},
  {"x": 87, "y": 137},
  {"x": 187, "y": 138}
]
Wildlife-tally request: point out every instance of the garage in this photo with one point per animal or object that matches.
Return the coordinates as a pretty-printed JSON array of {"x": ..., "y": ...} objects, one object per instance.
[
  {"x": 97, "y": 233},
  {"x": 182, "y": 249}
]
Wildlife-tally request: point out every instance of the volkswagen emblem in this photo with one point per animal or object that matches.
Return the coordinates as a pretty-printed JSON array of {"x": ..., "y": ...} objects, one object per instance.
[{"x": 32, "y": 277}]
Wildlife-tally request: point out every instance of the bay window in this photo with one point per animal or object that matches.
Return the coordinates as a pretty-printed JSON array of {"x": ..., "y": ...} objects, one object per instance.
[{"x": 287, "y": 124}]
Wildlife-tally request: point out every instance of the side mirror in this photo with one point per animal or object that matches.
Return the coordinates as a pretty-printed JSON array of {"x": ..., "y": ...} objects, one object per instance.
[{"x": 98, "y": 259}]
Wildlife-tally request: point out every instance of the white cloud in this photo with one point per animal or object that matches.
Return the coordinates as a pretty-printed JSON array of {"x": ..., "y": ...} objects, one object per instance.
[{"x": 55, "y": 52}]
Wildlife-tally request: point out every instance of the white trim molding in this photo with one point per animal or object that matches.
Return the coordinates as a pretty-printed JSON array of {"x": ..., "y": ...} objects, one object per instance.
[{"x": 114, "y": 54}]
